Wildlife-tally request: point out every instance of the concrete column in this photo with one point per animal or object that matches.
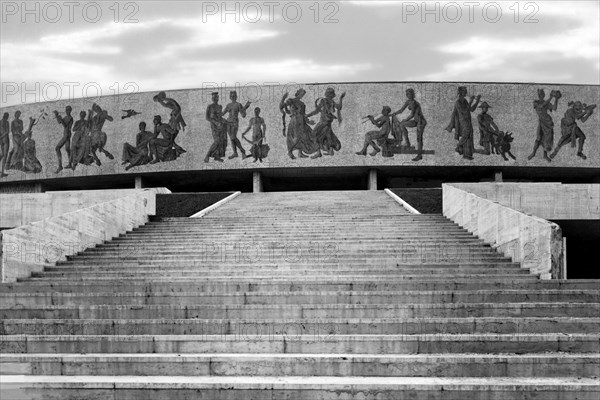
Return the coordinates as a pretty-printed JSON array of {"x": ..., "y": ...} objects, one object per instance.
[
  {"x": 564, "y": 266},
  {"x": 257, "y": 186},
  {"x": 498, "y": 176},
  {"x": 139, "y": 182},
  {"x": 372, "y": 179}
]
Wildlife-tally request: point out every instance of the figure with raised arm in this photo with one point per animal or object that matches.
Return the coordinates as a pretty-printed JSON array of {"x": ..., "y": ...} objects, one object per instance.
[
  {"x": 30, "y": 162},
  {"x": 65, "y": 140},
  {"x": 414, "y": 119},
  {"x": 81, "y": 142},
  {"x": 235, "y": 109},
  {"x": 460, "y": 121},
  {"x": 165, "y": 148},
  {"x": 545, "y": 129},
  {"x": 323, "y": 133},
  {"x": 98, "y": 137},
  {"x": 175, "y": 118},
  {"x": 569, "y": 129},
  {"x": 373, "y": 138}
]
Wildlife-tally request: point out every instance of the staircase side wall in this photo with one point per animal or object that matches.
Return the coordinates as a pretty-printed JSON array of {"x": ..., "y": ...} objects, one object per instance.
[
  {"x": 18, "y": 209},
  {"x": 31, "y": 247},
  {"x": 545, "y": 200},
  {"x": 529, "y": 240}
]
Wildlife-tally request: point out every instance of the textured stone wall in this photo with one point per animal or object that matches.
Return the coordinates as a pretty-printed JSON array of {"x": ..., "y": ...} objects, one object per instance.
[{"x": 511, "y": 108}]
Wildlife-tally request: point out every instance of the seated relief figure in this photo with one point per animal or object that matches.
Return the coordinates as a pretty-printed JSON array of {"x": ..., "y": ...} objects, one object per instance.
[
  {"x": 377, "y": 138},
  {"x": 415, "y": 119},
  {"x": 165, "y": 148},
  {"x": 140, "y": 153}
]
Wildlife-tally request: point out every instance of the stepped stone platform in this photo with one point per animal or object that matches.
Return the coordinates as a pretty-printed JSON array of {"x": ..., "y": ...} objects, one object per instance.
[{"x": 304, "y": 295}]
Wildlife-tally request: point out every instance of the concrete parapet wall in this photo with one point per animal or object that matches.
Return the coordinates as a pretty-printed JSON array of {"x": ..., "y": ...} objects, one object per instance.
[
  {"x": 24, "y": 208},
  {"x": 544, "y": 200},
  {"x": 529, "y": 240},
  {"x": 31, "y": 247}
]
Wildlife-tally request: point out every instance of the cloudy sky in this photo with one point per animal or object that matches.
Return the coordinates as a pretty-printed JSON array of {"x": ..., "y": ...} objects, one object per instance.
[{"x": 50, "y": 50}]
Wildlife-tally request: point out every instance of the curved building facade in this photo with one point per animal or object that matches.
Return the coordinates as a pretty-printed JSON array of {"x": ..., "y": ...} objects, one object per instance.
[{"x": 447, "y": 131}]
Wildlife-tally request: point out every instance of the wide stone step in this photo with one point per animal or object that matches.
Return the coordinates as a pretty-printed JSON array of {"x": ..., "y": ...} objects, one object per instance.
[
  {"x": 391, "y": 245},
  {"x": 327, "y": 256},
  {"x": 329, "y": 224},
  {"x": 295, "y": 259},
  {"x": 297, "y": 344},
  {"x": 375, "y": 240},
  {"x": 283, "y": 239},
  {"x": 282, "y": 277},
  {"x": 286, "y": 237},
  {"x": 279, "y": 242},
  {"x": 347, "y": 297},
  {"x": 309, "y": 212},
  {"x": 304, "y": 283},
  {"x": 439, "y": 365},
  {"x": 288, "y": 311},
  {"x": 321, "y": 264},
  {"x": 314, "y": 215},
  {"x": 307, "y": 234},
  {"x": 249, "y": 246},
  {"x": 312, "y": 262},
  {"x": 326, "y": 388},
  {"x": 400, "y": 219},
  {"x": 299, "y": 327},
  {"x": 301, "y": 227},
  {"x": 229, "y": 265},
  {"x": 152, "y": 271},
  {"x": 349, "y": 215},
  {"x": 149, "y": 272},
  {"x": 304, "y": 228},
  {"x": 257, "y": 253}
]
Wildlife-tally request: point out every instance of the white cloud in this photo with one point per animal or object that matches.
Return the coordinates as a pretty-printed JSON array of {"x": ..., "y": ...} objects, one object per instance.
[
  {"x": 58, "y": 57},
  {"x": 177, "y": 52},
  {"x": 213, "y": 33},
  {"x": 483, "y": 55},
  {"x": 373, "y": 3},
  {"x": 192, "y": 72}
]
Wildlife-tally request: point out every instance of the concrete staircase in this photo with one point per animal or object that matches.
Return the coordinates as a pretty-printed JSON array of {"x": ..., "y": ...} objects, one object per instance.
[{"x": 307, "y": 295}]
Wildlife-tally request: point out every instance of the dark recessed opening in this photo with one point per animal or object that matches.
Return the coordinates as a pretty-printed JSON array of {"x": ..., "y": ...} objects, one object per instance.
[{"x": 583, "y": 237}]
